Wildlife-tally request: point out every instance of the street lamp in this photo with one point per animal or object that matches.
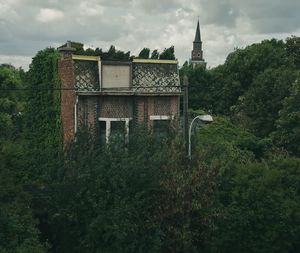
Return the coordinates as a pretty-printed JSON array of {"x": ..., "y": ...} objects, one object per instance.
[{"x": 203, "y": 118}]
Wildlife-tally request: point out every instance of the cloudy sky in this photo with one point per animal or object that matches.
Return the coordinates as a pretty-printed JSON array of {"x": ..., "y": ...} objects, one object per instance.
[{"x": 27, "y": 26}]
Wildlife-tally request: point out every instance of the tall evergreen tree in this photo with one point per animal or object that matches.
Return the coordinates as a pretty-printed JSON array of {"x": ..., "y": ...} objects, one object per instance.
[
  {"x": 144, "y": 54},
  {"x": 168, "y": 54}
]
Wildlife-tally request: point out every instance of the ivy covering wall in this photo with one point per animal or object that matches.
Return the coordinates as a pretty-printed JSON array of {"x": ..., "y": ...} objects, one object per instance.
[{"x": 43, "y": 126}]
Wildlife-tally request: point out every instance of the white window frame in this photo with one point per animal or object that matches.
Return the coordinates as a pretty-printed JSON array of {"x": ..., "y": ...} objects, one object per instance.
[
  {"x": 108, "y": 126},
  {"x": 161, "y": 117},
  {"x": 76, "y": 115}
]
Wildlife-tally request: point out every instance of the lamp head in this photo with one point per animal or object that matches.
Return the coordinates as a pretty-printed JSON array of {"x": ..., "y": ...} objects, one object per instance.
[{"x": 206, "y": 118}]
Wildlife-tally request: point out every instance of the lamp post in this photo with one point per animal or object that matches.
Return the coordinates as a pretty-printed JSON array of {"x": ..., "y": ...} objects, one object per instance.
[{"x": 202, "y": 118}]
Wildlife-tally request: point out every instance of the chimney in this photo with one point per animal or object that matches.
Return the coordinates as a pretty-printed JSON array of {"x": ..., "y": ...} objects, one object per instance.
[{"x": 68, "y": 95}]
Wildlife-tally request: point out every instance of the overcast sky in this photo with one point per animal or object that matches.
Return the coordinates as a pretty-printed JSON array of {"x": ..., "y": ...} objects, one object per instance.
[{"x": 27, "y": 26}]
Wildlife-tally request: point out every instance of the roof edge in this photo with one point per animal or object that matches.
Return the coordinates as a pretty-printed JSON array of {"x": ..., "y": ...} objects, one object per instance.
[
  {"x": 155, "y": 61},
  {"x": 85, "y": 57}
]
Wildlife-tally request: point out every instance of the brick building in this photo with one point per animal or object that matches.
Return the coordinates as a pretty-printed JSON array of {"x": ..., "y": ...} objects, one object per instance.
[{"x": 112, "y": 96}]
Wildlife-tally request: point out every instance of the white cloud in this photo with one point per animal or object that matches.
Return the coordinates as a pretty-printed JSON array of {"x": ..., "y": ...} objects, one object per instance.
[
  {"x": 7, "y": 8},
  {"x": 90, "y": 9},
  {"x": 129, "y": 19},
  {"x": 46, "y": 15},
  {"x": 134, "y": 24},
  {"x": 16, "y": 61}
]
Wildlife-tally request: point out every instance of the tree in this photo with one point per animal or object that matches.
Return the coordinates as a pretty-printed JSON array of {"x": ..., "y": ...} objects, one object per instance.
[
  {"x": 259, "y": 208},
  {"x": 258, "y": 108},
  {"x": 200, "y": 88},
  {"x": 293, "y": 49},
  {"x": 256, "y": 195},
  {"x": 19, "y": 232},
  {"x": 155, "y": 54},
  {"x": 112, "y": 54},
  {"x": 287, "y": 134},
  {"x": 11, "y": 101},
  {"x": 136, "y": 198},
  {"x": 232, "y": 79},
  {"x": 144, "y": 54},
  {"x": 222, "y": 136},
  {"x": 18, "y": 228},
  {"x": 168, "y": 54}
]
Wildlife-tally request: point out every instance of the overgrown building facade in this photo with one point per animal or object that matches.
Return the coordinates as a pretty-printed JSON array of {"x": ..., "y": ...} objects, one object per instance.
[{"x": 112, "y": 96}]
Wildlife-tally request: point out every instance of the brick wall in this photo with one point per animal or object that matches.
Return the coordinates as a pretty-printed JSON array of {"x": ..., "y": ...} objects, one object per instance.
[
  {"x": 68, "y": 97},
  {"x": 116, "y": 106},
  {"x": 90, "y": 108},
  {"x": 175, "y": 106},
  {"x": 139, "y": 109},
  {"x": 88, "y": 112},
  {"x": 147, "y": 106},
  {"x": 151, "y": 108}
]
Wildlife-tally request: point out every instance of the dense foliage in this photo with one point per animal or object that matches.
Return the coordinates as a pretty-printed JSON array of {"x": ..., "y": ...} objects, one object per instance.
[
  {"x": 42, "y": 129},
  {"x": 255, "y": 87},
  {"x": 117, "y": 55},
  {"x": 18, "y": 230},
  {"x": 239, "y": 193},
  {"x": 167, "y": 54}
]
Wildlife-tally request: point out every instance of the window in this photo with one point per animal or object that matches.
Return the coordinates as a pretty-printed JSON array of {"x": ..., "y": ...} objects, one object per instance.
[
  {"x": 115, "y": 76},
  {"x": 114, "y": 127},
  {"x": 161, "y": 124},
  {"x": 161, "y": 127},
  {"x": 117, "y": 130},
  {"x": 102, "y": 126}
]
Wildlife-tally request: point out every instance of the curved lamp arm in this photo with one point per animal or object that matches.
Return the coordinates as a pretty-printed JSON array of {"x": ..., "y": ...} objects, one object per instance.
[{"x": 203, "y": 118}]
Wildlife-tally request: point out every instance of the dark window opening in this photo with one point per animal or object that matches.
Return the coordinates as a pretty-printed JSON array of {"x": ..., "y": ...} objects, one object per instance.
[
  {"x": 102, "y": 126},
  {"x": 117, "y": 129},
  {"x": 161, "y": 127}
]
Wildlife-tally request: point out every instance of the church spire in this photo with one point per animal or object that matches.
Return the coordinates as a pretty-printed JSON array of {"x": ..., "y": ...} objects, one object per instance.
[
  {"x": 197, "y": 53},
  {"x": 198, "y": 35}
]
